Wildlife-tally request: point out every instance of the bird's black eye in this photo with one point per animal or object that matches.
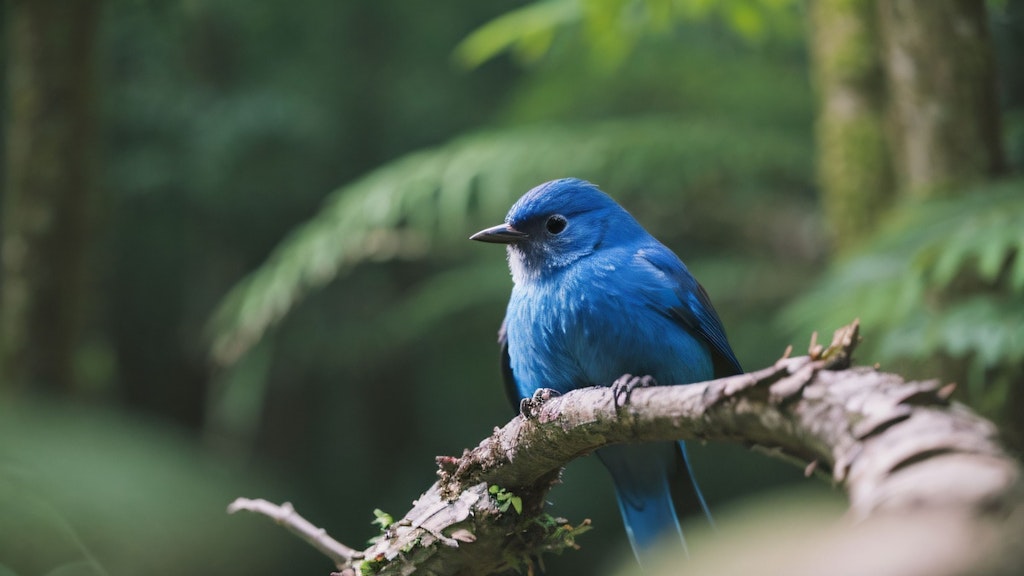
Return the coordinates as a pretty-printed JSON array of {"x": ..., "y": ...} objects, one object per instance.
[{"x": 556, "y": 224}]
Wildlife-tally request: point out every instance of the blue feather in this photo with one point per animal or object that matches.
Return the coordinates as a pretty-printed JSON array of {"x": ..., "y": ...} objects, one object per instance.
[{"x": 595, "y": 296}]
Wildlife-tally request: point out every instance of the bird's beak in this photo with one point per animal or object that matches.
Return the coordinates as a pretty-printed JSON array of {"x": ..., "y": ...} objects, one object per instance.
[{"x": 500, "y": 234}]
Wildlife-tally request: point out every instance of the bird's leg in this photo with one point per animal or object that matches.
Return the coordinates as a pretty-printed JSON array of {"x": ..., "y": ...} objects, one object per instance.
[
  {"x": 623, "y": 388},
  {"x": 528, "y": 407}
]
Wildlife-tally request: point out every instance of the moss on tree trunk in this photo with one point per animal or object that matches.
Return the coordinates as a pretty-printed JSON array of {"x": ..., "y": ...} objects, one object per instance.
[
  {"x": 50, "y": 144},
  {"x": 853, "y": 160}
]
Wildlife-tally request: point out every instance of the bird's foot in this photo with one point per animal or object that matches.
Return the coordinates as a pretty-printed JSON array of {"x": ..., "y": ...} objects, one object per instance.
[
  {"x": 529, "y": 407},
  {"x": 623, "y": 388}
]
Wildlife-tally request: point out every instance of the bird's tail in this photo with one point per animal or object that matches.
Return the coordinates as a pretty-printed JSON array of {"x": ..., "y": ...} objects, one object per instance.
[{"x": 655, "y": 486}]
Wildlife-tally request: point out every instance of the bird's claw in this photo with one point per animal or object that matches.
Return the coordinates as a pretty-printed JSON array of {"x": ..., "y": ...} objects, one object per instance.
[
  {"x": 623, "y": 388},
  {"x": 529, "y": 407}
]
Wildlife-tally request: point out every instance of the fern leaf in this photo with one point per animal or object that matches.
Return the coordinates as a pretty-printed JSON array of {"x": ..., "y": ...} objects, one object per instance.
[
  {"x": 902, "y": 283},
  {"x": 427, "y": 199},
  {"x": 527, "y": 30}
]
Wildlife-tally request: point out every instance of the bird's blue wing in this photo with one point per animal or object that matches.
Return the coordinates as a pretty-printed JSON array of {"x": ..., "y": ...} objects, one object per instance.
[
  {"x": 692, "y": 308},
  {"x": 511, "y": 389}
]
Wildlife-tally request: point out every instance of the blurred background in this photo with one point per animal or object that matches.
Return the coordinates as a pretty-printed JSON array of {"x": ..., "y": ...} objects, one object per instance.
[{"x": 234, "y": 255}]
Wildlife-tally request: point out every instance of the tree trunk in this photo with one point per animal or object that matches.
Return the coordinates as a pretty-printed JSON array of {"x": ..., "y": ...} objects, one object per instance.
[
  {"x": 853, "y": 160},
  {"x": 943, "y": 110},
  {"x": 50, "y": 145},
  {"x": 944, "y": 119}
]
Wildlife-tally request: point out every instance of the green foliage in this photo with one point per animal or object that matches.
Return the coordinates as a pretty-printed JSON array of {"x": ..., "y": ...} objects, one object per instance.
[
  {"x": 86, "y": 491},
  {"x": 557, "y": 535},
  {"x": 561, "y": 534},
  {"x": 941, "y": 279},
  {"x": 408, "y": 208},
  {"x": 35, "y": 538},
  {"x": 527, "y": 32},
  {"x": 506, "y": 499},
  {"x": 612, "y": 28},
  {"x": 382, "y": 519},
  {"x": 372, "y": 565},
  {"x": 701, "y": 73}
]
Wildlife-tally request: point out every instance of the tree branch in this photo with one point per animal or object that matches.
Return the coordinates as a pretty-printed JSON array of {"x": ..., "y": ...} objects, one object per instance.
[
  {"x": 285, "y": 515},
  {"x": 895, "y": 446}
]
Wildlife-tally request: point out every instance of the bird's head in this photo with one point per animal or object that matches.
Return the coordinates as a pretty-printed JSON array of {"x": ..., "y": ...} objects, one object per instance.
[{"x": 556, "y": 224}]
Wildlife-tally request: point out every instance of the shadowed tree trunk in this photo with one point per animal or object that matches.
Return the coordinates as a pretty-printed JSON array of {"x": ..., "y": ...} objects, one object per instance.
[
  {"x": 50, "y": 144},
  {"x": 907, "y": 101},
  {"x": 943, "y": 115},
  {"x": 943, "y": 109},
  {"x": 907, "y": 108},
  {"x": 854, "y": 168}
]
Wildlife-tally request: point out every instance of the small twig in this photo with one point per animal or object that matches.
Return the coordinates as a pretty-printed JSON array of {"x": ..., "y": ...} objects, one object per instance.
[
  {"x": 286, "y": 516},
  {"x": 810, "y": 468}
]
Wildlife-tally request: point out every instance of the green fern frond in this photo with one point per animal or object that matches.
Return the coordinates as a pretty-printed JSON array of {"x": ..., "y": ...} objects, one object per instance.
[
  {"x": 942, "y": 277},
  {"x": 613, "y": 27},
  {"x": 525, "y": 31},
  {"x": 408, "y": 208},
  {"x": 445, "y": 294}
]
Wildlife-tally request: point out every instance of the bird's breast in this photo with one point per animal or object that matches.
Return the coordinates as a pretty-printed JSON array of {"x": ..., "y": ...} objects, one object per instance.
[
  {"x": 576, "y": 332},
  {"x": 542, "y": 323}
]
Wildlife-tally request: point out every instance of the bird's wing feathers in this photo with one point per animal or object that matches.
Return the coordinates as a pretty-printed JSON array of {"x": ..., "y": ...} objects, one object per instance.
[
  {"x": 511, "y": 389},
  {"x": 693, "y": 309}
]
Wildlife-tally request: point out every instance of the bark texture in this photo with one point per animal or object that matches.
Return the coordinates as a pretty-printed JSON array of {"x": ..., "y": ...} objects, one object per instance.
[
  {"x": 50, "y": 146},
  {"x": 944, "y": 111},
  {"x": 854, "y": 168}
]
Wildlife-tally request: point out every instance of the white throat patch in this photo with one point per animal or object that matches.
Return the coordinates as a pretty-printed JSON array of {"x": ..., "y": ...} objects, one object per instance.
[{"x": 521, "y": 273}]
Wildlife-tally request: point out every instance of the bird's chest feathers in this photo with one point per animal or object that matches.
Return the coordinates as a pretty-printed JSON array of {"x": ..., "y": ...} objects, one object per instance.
[
  {"x": 566, "y": 333},
  {"x": 589, "y": 325}
]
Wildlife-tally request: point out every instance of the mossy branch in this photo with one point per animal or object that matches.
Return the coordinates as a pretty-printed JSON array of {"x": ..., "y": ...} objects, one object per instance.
[{"x": 895, "y": 446}]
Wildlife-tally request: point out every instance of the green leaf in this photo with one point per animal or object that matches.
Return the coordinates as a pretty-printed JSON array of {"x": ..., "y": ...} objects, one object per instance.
[
  {"x": 528, "y": 29},
  {"x": 613, "y": 27},
  {"x": 79, "y": 568},
  {"x": 1017, "y": 269},
  {"x": 932, "y": 282},
  {"x": 506, "y": 499},
  {"x": 951, "y": 258},
  {"x": 382, "y": 519}
]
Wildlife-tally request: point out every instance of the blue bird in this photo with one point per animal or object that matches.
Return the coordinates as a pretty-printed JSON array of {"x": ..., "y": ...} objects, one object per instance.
[{"x": 596, "y": 297}]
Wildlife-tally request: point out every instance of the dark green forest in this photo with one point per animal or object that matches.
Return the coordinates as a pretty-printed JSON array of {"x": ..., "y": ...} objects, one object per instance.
[{"x": 235, "y": 256}]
